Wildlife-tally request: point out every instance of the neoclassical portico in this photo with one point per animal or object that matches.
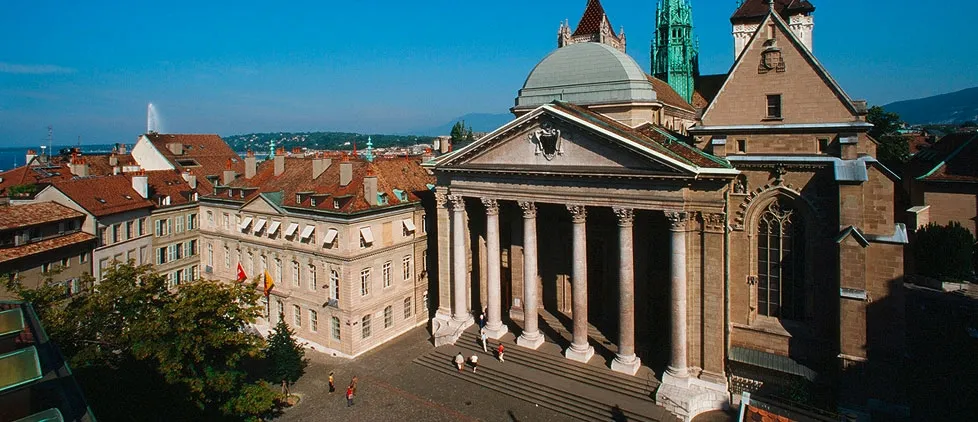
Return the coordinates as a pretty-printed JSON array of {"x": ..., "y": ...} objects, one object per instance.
[{"x": 566, "y": 190}]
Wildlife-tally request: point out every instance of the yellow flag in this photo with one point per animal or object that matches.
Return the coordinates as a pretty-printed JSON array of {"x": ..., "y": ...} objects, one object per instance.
[{"x": 269, "y": 283}]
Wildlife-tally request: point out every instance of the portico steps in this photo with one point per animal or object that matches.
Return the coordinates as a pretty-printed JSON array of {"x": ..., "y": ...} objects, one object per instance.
[
  {"x": 556, "y": 399},
  {"x": 593, "y": 375}
]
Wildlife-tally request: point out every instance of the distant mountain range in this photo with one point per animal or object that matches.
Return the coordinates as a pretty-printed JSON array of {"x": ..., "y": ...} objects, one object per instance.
[
  {"x": 945, "y": 109},
  {"x": 479, "y": 122}
]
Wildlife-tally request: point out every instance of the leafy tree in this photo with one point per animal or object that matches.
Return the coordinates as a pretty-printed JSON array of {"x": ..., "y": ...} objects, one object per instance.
[
  {"x": 192, "y": 336},
  {"x": 285, "y": 356},
  {"x": 23, "y": 190},
  {"x": 458, "y": 132},
  {"x": 944, "y": 252},
  {"x": 893, "y": 150}
]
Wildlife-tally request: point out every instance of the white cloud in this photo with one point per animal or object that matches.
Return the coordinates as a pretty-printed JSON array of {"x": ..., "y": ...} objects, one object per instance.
[{"x": 33, "y": 69}]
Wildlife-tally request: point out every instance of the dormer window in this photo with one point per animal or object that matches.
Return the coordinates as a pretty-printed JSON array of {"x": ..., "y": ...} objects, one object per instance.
[
  {"x": 312, "y": 202},
  {"x": 336, "y": 204},
  {"x": 382, "y": 198}
]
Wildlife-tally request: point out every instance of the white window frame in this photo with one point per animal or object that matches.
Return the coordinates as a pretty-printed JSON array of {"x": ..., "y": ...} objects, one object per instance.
[
  {"x": 387, "y": 276},
  {"x": 365, "y": 282}
]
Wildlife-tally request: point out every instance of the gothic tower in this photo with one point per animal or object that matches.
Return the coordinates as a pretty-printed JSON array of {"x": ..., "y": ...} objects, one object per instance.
[
  {"x": 675, "y": 53},
  {"x": 593, "y": 27}
]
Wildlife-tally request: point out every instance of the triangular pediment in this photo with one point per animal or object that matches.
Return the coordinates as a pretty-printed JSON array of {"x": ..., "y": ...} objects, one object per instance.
[
  {"x": 551, "y": 141},
  {"x": 260, "y": 205},
  {"x": 776, "y": 62}
]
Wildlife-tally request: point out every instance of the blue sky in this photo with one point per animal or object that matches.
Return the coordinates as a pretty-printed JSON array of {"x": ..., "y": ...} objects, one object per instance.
[{"x": 90, "y": 68}]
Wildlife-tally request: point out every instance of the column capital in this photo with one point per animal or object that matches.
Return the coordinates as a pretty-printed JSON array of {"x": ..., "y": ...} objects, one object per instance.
[
  {"x": 677, "y": 220},
  {"x": 713, "y": 221},
  {"x": 529, "y": 209},
  {"x": 578, "y": 213},
  {"x": 441, "y": 199},
  {"x": 626, "y": 216},
  {"x": 458, "y": 204},
  {"x": 492, "y": 206}
]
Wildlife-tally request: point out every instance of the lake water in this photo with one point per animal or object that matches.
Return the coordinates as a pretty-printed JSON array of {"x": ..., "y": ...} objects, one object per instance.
[{"x": 11, "y": 157}]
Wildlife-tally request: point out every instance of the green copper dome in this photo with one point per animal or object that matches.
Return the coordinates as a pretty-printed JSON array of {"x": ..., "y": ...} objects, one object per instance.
[{"x": 584, "y": 74}]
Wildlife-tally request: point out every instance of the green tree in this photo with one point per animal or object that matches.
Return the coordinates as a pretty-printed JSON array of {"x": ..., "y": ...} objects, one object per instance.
[
  {"x": 893, "y": 150},
  {"x": 286, "y": 357},
  {"x": 944, "y": 252},
  {"x": 458, "y": 132}
]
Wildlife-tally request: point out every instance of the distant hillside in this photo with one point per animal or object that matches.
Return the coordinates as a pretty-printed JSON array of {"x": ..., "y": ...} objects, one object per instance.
[
  {"x": 949, "y": 109},
  {"x": 479, "y": 122},
  {"x": 259, "y": 142}
]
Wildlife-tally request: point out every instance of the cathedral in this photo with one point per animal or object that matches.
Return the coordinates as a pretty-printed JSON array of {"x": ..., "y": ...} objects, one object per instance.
[{"x": 733, "y": 233}]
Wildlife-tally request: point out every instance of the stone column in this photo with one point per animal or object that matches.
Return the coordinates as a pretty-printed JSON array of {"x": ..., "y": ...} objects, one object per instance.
[
  {"x": 494, "y": 324},
  {"x": 677, "y": 362},
  {"x": 579, "y": 349},
  {"x": 444, "y": 294},
  {"x": 460, "y": 311},
  {"x": 531, "y": 336},
  {"x": 626, "y": 361}
]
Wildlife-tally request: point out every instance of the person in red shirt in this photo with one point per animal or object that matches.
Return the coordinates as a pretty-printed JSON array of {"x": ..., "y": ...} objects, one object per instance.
[
  {"x": 349, "y": 396},
  {"x": 499, "y": 352}
]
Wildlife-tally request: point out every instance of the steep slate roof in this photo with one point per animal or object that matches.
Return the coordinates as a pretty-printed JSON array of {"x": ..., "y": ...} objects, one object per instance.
[
  {"x": 591, "y": 20},
  {"x": 105, "y": 195},
  {"x": 753, "y": 9},
  {"x": 952, "y": 159},
  {"x": 707, "y": 88},
  {"x": 402, "y": 173},
  {"x": 655, "y": 137},
  {"x": 18, "y": 216},
  {"x": 669, "y": 96},
  {"x": 209, "y": 151},
  {"x": 9, "y": 254}
]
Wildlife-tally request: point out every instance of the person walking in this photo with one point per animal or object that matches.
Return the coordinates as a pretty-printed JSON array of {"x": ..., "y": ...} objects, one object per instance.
[
  {"x": 499, "y": 351},
  {"x": 475, "y": 363},
  {"x": 353, "y": 383},
  {"x": 482, "y": 319},
  {"x": 349, "y": 396},
  {"x": 485, "y": 338},
  {"x": 332, "y": 386},
  {"x": 459, "y": 361}
]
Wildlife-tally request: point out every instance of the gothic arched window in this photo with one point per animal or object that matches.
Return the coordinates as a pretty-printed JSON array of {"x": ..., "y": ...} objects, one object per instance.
[{"x": 780, "y": 262}]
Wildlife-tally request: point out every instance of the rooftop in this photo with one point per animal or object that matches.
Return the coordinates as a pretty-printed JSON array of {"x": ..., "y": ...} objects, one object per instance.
[
  {"x": 754, "y": 9},
  {"x": 104, "y": 195},
  {"x": 951, "y": 159},
  {"x": 17, "y": 216},
  {"x": 50, "y": 244},
  {"x": 202, "y": 155},
  {"x": 592, "y": 18}
]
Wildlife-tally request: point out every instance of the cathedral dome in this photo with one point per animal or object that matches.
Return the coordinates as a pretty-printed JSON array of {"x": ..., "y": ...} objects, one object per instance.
[{"x": 585, "y": 74}]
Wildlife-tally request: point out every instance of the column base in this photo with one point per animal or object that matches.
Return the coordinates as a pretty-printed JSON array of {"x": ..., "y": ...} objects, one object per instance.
[
  {"x": 581, "y": 355},
  {"x": 687, "y": 397},
  {"x": 496, "y": 333},
  {"x": 530, "y": 341},
  {"x": 446, "y": 330},
  {"x": 626, "y": 364}
]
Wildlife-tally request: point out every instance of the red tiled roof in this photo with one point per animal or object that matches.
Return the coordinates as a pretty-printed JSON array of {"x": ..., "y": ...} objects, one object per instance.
[
  {"x": 707, "y": 88},
  {"x": 210, "y": 152},
  {"x": 169, "y": 183},
  {"x": 591, "y": 20},
  {"x": 104, "y": 195},
  {"x": 9, "y": 254},
  {"x": 669, "y": 96},
  {"x": 14, "y": 216},
  {"x": 402, "y": 173},
  {"x": 950, "y": 159},
  {"x": 655, "y": 137},
  {"x": 752, "y": 9},
  {"x": 754, "y": 414}
]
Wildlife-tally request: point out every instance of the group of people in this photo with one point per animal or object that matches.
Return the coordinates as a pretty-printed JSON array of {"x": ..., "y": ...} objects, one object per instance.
[
  {"x": 474, "y": 360},
  {"x": 350, "y": 391}
]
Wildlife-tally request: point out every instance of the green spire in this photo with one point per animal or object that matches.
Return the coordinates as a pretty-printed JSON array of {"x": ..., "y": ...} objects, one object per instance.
[
  {"x": 675, "y": 53},
  {"x": 370, "y": 150}
]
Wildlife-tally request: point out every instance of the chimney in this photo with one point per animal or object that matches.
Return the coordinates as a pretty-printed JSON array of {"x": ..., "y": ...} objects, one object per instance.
[
  {"x": 175, "y": 147},
  {"x": 279, "y": 162},
  {"x": 113, "y": 160},
  {"x": 190, "y": 179},
  {"x": 229, "y": 175},
  {"x": 719, "y": 146},
  {"x": 370, "y": 187},
  {"x": 78, "y": 166},
  {"x": 296, "y": 150},
  {"x": 251, "y": 165},
  {"x": 122, "y": 149},
  {"x": 850, "y": 145},
  {"x": 140, "y": 184},
  {"x": 346, "y": 171},
  {"x": 31, "y": 154},
  {"x": 319, "y": 166}
]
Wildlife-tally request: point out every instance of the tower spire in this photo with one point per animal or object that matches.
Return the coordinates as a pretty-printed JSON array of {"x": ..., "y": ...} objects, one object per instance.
[{"x": 675, "y": 54}]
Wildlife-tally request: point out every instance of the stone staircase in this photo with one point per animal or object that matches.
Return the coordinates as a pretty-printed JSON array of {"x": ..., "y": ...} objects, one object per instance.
[{"x": 582, "y": 391}]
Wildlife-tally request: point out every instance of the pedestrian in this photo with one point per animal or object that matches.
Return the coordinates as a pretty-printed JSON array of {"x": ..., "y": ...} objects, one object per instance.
[
  {"x": 500, "y": 351},
  {"x": 485, "y": 338},
  {"x": 332, "y": 386},
  {"x": 482, "y": 320},
  {"x": 459, "y": 361},
  {"x": 354, "y": 383},
  {"x": 475, "y": 363},
  {"x": 349, "y": 396}
]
